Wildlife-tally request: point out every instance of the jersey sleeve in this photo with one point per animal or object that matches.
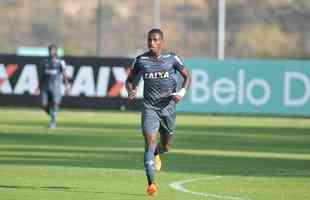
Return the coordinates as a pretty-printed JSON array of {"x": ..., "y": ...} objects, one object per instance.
[
  {"x": 135, "y": 67},
  {"x": 178, "y": 64}
]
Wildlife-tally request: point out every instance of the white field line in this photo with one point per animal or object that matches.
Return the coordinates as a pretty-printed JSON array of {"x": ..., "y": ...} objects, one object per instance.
[{"x": 178, "y": 185}]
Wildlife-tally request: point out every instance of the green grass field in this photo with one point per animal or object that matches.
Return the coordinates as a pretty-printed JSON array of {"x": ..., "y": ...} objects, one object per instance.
[{"x": 99, "y": 155}]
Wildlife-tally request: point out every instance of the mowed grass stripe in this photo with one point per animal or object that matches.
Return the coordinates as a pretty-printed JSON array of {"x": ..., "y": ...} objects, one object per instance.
[
  {"x": 111, "y": 117},
  {"x": 80, "y": 151},
  {"x": 99, "y": 155}
]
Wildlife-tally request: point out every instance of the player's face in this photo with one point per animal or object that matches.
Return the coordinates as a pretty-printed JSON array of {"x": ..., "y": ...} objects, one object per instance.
[
  {"x": 155, "y": 43},
  {"x": 53, "y": 52}
]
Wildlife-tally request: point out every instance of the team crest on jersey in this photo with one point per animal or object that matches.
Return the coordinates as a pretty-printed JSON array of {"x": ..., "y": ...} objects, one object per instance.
[{"x": 156, "y": 75}]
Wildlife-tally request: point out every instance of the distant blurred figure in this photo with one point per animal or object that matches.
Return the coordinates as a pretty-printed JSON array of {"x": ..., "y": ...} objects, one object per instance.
[{"x": 50, "y": 84}]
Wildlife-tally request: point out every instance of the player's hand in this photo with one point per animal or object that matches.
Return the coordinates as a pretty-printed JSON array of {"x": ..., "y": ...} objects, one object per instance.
[
  {"x": 37, "y": 91},
  {"x": 67, "y": 89},
  {"x": 177, "y": 96},
  {"x": 132, "y": 94}
]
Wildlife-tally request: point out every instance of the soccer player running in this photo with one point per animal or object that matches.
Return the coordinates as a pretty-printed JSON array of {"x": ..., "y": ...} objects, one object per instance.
[
  {"x": 52, "y": 75},
  {"x": 159, "y": 71}
]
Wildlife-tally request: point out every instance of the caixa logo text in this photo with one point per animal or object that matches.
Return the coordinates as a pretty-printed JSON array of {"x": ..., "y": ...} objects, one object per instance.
[{"x": 85, "y": 81}]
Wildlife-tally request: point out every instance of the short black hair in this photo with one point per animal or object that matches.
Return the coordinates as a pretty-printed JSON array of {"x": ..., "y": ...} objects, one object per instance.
[
  {"x": 157, "y": 31},
  {"x": 52, "y": 46}
]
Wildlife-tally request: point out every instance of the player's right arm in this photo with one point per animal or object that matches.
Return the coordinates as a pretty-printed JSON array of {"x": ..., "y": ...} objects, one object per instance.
[
  {"x": 134, "y": 72},
  {"x": 42, "y": 80}
]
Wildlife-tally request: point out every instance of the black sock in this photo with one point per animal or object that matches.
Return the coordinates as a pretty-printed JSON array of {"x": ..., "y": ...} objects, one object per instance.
[{"x": 158, "y": 149}]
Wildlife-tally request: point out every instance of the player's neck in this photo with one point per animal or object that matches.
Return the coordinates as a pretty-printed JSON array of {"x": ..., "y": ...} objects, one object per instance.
[
  {"x": 155, "y": 54},
  {"x": 53, "y": 57}
]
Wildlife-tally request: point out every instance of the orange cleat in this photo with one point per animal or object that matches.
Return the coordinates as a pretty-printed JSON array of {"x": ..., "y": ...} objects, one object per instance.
[{"x": 151, "y": 190}]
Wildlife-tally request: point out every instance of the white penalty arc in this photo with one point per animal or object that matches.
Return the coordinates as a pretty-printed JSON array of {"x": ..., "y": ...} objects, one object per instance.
[{"x": 178, "y": 185}]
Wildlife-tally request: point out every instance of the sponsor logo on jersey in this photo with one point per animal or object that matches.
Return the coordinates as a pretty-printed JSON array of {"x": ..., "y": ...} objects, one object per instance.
[
  {"x": 144, "y": 57},
  {"x": 157, "y": 75},
  {"x": 167, "y": 56},
  {"x": 51, "y": 71}
]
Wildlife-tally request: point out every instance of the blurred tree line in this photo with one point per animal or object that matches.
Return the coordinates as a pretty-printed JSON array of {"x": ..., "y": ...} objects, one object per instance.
[{"x": 255, "y": 28}]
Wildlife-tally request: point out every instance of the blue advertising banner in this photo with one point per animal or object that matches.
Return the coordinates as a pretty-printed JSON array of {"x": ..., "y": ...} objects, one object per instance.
[{"x": 248, "y": 86}]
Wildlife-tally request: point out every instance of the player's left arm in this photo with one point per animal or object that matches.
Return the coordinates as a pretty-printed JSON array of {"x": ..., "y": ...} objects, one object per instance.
[
  {"x": 178, "y": 65},
  {"x": 177, "y": 96},
  {"x": 64, "y": 74},
  {"x": 186, "y": 78},
  {"x": 63, "y": 71}
]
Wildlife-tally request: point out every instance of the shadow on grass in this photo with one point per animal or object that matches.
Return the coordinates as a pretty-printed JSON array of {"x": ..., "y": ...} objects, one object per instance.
[
  {"x": 52, "y": 138},
  {"x": 173, "y": 162},
  {"x": 283, "y": 130},
  {"x": 253, "y": 138},
  {"x": 232, "y": 138},
  {"x": 224, "y": 139},
  {"x": 64, "y": 189}
]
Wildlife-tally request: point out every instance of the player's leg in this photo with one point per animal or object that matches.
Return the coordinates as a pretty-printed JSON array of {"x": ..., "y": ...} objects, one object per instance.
[
  {"x": 54, "y": 106},
  {"x": 165, "y": 143},
  {"x": 162, "y": 147},
  {"x": 150, "y": 145},
  {"x": 150, "y": 126},
  {"x": 166, "y": 138},
  {"x": 45, "y": 101},
  {"x": 166, "y": 129}
]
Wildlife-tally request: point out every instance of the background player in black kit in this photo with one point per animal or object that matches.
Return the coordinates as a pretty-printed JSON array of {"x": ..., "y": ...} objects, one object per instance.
[{"x": 159, "y": 71}]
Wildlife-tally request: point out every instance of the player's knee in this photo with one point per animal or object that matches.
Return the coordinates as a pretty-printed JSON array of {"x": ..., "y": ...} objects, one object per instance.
[
  {"x": 45, "y": 107},
  {"x": 152, "y": 145},
  {"x": 56, "y": 105},
  {"x": 150, "y": 141},
  {"x": 44, "y": 104},
  {"x": 167, "y": 147}
]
